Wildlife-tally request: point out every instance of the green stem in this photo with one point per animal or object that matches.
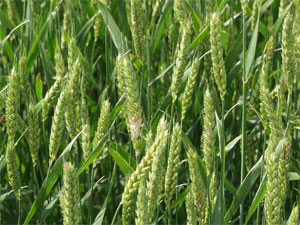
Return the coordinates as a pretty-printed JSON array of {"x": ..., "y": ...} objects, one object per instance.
[
  {"x": 244, "y": 113},
  {"x": 90, "y": 184},
  {"x": 35, "y": 179},
  {"x": 289, "y": 107},
  {"x": 19, "y": 211},
  {"x": 261, "y": 177},
  {"x": 222, "y": 142},
  {"x": 172, "y": 115},
  {"x": 116, "y": 213},
  {"x": 168, "y": 211},
  {"x": 148, "y": 82}
]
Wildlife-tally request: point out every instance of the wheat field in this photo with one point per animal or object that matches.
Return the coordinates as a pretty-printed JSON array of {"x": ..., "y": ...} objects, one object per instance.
[{"x": 149, "y": 112}]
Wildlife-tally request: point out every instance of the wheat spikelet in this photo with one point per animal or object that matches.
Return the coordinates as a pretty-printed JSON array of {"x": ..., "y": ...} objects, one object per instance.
[
  {"x": 218, "y": 66},
  {"x": 207, "y": 139},
  {"x": 197, "y": 185},
  {"x": 283, "y": 169},
  {"x": 141, "y": 171},
  {"x": 282, "y": 5},
  {"x": 66, "y": 32},
  {"x": 69, "y": 197},
  {"x": 254, "y": 14},
  {"x": 12, "y": 11},
  {"x": 71, "y": 99},
  {"x": 57, "y": 127},
  {"x": 85, "y": 125},
  {"x": 99, "y": 19},
  {"x": 180, "y": 61},
  {"x": 207, "y": 70},
  {"x": 213, "y": 188},
  {"x": 272, "y": 200},
  {"x": 244, "y": 5},
  {"x": 138, "y": 28},
  {"x": 191, "y": 211},
  {"x": 264, "y": 83},
  {"x": 36, "y": 8},
  {"x": 133, "y": 106},
  {"x": 171, "y": 39},
  {"x": 11, "y": 104},
  {"x": 26, "y": 87},
  {"x": 121, "y": 83},
  {"x": 173, "y": 161},
  {"x": 141, "y": 204},
  {"x": 86, "y": 71},
  {"x": 103, "y": 123},
  {"x": 208, "y": 148},
  {"x": 180, "y": 11},
  {"x": 288, "y": 58},
  {"x": 189, "y": 88},
  {"x": 156, "y": 176},
  {"x": 294, "y": 217},
  {"x": 156, "y": 9},
  {"x": 54, "y": 91},
  {"x": 12, "y": 167},
  {"x": 72, "y": 55},
  {"x": 33, "y": 136}
]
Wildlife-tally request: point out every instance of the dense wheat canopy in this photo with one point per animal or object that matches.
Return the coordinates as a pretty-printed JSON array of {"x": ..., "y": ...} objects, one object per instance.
[{"x": 149, "y": 112}]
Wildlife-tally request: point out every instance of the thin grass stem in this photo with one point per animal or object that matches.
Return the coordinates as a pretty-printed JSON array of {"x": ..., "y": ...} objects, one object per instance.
[
  {"x": 244, "y": 112},
  {"x": 222, "y": 142}
]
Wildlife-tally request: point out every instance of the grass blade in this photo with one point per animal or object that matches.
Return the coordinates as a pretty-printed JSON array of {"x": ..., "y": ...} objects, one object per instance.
[
  {"x": 243, "y": 190},
  {"x": 257, "y": 199}
]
